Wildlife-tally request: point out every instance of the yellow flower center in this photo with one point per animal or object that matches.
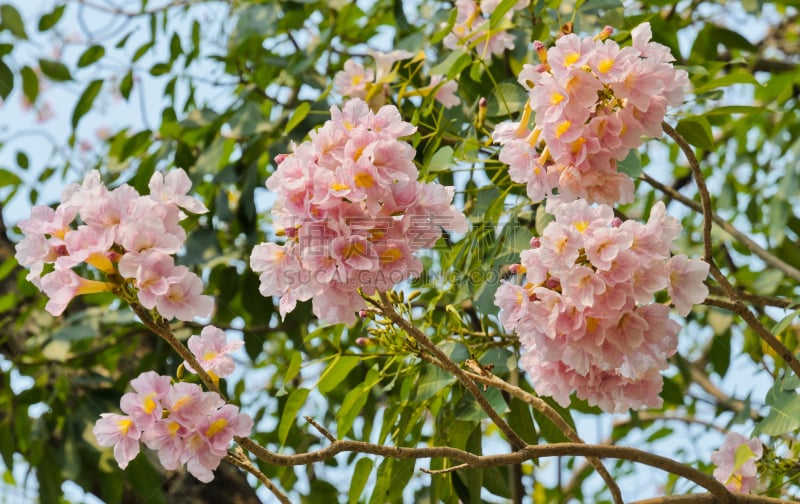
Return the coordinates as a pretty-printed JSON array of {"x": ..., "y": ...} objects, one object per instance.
[{"x": 216, "y": 426}]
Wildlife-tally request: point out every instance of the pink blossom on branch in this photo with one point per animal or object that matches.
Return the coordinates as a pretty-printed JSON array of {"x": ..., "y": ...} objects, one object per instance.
[
  {"x": 212, "y": 350},
  {"x": 123, "y": 234},
  {"x": 353, "y": 213},
  {"x": 184, "y": 424},
  {"x": 736, "y": 462},
  {"x": 586, "y": 315},
  {"x": 591, "y": 102}
]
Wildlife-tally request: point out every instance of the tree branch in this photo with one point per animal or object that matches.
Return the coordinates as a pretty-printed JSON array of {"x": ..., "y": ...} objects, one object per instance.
[
  {"x": 467, "y": 378},
  {"x": 240, "y": 460},
  {"x": 523, "y": 454},
  {"x": 705, "y": 197},
  {"x": 387, "y": 309},
  {"x": 743, "y": 311}
]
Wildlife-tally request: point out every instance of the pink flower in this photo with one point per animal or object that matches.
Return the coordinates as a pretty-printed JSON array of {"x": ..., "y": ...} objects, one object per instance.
[
  {"x": 593, "y": 102},
  {"x": 445, "y": 93},
  {"x": 222, "y": 425},
  {"x": 212, "y": 351},
  {"x": 183, "y": 299},
  {"x": 144, "y": 404},
  {"x": 188, "y": 404},
  {"x": 173, "y": 188},
  {"x": 686, "y": 286},
  {"x": 586, "y": 316},
  {"x": 353, "y": 80},
  {"x": 153, "y": 271},
  {"x": 166, "y": 436},
  {"x": 736, "y": 462},
  {"x": 63, "y": 285},
  {"x": 121, "y": 433}
]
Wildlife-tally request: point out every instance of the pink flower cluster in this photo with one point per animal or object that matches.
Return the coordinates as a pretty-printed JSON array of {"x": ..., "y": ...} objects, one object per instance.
[
  {"x": 586, "y": 315},
  {"x": 212, "y": 350},
  {"x": 357, "y": 81},
  {"x": 353, "y": 212},
  {"x": 473, "y": 31},
  {"x": 128, "y": 237},
  {"x": 736, "y": 462},
  {"x": 182, "y": 422},
  {"x": 592, "y": 102}
]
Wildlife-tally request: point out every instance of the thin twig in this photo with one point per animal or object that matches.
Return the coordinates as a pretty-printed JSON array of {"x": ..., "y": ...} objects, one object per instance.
[
  {"x": 162, "y": 329},
  {"x": 325, "y": 432},
  {"x": 445, "y": 470},
  {"x": 551, "y": 414},
  {"x": 707, "y": 498}
]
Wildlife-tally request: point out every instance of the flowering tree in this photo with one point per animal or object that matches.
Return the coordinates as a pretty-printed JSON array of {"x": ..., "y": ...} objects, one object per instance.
[{"x": 385, "y": 252}]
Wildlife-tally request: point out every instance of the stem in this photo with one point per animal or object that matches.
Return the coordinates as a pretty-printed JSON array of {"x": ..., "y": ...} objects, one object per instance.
[
  {"x": 551, "y": 414},
  {"x": 386, "y": 307},
  {"x": 705, "y": 198},
  {"x": 162, "y": 329},
  {"x": 466, "y": 378}
]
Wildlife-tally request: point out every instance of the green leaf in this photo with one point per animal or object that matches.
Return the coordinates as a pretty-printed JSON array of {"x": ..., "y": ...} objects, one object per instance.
[
  {"x": 48, "y": 473},
  {"x": 293, "y": 404},
  {"x": 55, "y": 70},
  {"x": 781, "y": 326},
  {"x": 13, "y": 21},
  {"x": 361, "y": 472},
  {"x": 507, "y": 99},
  {"x": 432, "y": 381},
  {"x": 294, "y": 367},
  {"x": 91, "y": 55},
  {"x": 126, "y": 84},
  {"x": 631, "y": 165},
  {"x": 30, "y": 84},
  {"x": 22, "y": 160},
  {"x": 297, "y": 117},
  {"x": 336, "y": 372},
  {"x": 497, "y": 14},
  {"x": 353, "y": 402},
  {"x": 441, "y": 160},
  {"x": 50, "y": 19},
  {"x": 6, "y": 80},
  {"x": 468, "y": 408},
  {"x": 728, "y": 80},
  {"x": 784, "y": 412},
  {"x": 8, "y": 178},
  {"x": 767, "y": 281},
  {"x": 160, "y": 69},
  {"x": 697, "y": 131},
  {"x": 86, "y": 100},
  {"x": 736, "y": 109},
  {"x": 455, "y": 62}
]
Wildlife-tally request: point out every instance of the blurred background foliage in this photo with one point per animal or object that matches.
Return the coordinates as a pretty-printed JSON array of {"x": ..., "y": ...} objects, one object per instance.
[{"x": 220, "y": 88}]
